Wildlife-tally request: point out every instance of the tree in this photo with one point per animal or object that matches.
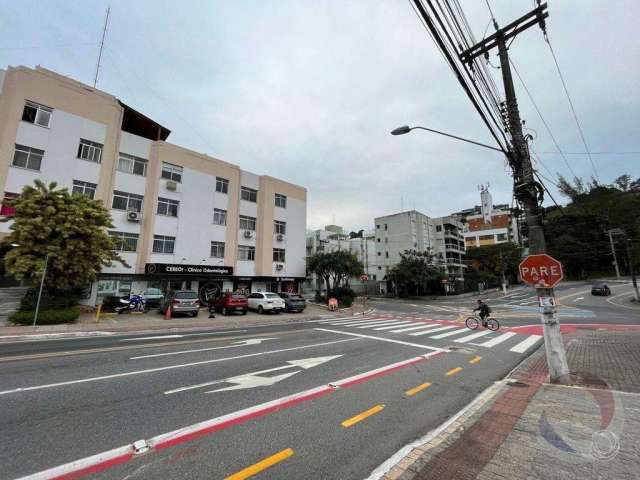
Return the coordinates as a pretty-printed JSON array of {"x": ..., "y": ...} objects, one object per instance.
[
  {"x": 486, "y": 264},
  {"x": 335, "y": 268},
  {"x": 71, "y": 229},
  {"x": 416, "y": 274}
]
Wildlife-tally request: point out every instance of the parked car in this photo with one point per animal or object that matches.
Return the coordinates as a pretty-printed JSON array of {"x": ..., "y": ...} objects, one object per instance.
[
  {"x": 266, "y": 302},
  {"x": 293, "y": 302},
  {"x": 600, "y": 289},
  {"x": 229, "y": 303},
  {"x": 182, "y": 301},
  {"x": 153, "y": 297}
]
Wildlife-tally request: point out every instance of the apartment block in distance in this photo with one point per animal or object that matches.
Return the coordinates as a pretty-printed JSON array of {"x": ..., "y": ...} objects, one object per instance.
[{"x": 182, "y": 219}]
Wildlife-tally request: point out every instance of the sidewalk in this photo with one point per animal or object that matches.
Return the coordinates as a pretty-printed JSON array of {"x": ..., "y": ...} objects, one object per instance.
[
  {"x": 523, "y": 428},
  {"x": 152, "y": 321}
]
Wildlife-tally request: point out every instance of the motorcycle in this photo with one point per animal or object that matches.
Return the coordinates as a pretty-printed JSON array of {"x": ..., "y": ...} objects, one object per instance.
[{"x": 135, "y": 304}]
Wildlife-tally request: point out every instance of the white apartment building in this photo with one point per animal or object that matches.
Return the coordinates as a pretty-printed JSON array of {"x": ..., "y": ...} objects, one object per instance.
[{"x": 182, "y": 219}]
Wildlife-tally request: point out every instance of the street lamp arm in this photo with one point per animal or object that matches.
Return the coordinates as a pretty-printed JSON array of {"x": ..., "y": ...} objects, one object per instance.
[{"x": 406, "y": 129}]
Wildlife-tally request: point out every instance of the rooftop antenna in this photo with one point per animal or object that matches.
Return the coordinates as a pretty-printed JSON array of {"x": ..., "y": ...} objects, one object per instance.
[{"x": 104, "y": 33}]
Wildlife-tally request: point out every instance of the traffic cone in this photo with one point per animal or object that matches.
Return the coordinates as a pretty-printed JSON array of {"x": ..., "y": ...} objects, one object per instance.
[{"x": 167, "y": 313}]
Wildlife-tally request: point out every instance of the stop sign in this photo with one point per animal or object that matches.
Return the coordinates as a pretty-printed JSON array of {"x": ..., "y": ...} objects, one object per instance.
[{"x": 541, "y": 271}]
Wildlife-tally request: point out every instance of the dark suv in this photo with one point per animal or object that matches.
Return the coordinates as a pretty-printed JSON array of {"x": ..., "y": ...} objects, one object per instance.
[
  {"x": 229, "y": 302},
  {"x": 293, "y": 302},
  {"x": 600, "y": 289}
]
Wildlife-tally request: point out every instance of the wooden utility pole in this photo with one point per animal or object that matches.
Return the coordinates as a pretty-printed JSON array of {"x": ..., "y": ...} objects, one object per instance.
[{"x": 528, "y": 192}]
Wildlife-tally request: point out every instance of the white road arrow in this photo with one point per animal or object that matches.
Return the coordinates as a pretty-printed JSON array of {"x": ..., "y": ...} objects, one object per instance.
[
  {"x": 241, "y": 343},
  {"x": 255, "y": 379}
]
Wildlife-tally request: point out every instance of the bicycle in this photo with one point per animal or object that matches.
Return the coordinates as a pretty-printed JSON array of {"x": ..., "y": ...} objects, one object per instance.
[{"x": 474, "y": 322}]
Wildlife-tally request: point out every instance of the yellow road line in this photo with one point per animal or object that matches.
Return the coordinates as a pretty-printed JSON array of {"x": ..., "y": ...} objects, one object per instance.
[
  {"x": 361, "y": 416},
  {"x": 475, "y": 359},
  {"x": 453, "y": 371},
  {"x": 261, "y": 465},
  {"x": 412, "y": 391}
]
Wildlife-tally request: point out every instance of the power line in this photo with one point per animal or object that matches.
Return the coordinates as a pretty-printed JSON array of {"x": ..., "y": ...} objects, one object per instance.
[
  {"x": 544, "y": 122},
  {"x": 573, "y": 110},
  {"x": 630, "y": 152}
]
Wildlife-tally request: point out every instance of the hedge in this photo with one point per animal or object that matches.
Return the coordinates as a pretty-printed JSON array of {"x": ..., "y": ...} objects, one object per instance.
[{"x": 46, "y": 317}]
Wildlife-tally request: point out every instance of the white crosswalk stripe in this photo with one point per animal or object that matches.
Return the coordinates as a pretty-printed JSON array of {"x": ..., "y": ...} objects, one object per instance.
[
  {"x": 526, "y": 344},
  {"x": 449, "y": 334},
  {"x": 389, "y": 327},
  {"x": 468, "y": 338},
  {"x": 417, "y": 334},
  {"x": 380, "y": 324},
  {"x": 361, "y": 322},
  {"x": 495, "y": 341},
  {"x": 422, "y": 326}
]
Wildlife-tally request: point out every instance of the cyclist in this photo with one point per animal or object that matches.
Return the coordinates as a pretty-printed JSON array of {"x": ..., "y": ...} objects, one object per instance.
[{"x": 484, "y": 312}]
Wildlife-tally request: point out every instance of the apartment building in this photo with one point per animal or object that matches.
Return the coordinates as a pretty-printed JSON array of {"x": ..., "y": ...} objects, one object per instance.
[
  {"x": 488, "y": 224},
  {"x": 182, "y": 219},
  {"x": 450, "y": 248}
]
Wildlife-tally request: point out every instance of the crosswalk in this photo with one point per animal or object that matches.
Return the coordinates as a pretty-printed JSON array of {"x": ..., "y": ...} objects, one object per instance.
[{"x": 416, "y": 326}]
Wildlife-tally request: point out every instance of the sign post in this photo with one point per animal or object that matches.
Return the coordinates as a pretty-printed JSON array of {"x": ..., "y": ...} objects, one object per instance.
[
  {"x": 364, "y": 278},
  {"x": 543, "y": 272}
]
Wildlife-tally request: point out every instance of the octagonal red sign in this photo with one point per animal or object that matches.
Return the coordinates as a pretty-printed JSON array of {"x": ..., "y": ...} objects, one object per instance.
[{"x": 541, "y": 271}]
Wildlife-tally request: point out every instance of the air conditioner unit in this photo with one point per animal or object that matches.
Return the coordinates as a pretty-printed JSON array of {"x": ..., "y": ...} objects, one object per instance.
[
  {"x": 171, "y": 185},
  {"x": 280, "y": 237},
  {"x": 279, "y": 266},
  {"x": 134, "y": 216},
  {"x": 248, "y": 234}
]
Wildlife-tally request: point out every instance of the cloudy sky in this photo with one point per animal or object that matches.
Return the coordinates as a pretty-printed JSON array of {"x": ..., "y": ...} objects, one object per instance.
[{"x": 308, "y": 90}]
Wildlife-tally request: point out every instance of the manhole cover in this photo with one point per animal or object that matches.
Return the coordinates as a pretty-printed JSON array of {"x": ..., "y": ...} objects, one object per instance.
[{"x": 515, "y": 383}]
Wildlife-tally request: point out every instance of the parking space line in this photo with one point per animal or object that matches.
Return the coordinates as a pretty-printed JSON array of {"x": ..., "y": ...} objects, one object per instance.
[
  {"x": 453, "y": 371},
  {"x": 262, "y": 465},
  {"x": 361, "y": 416},
  {"x": 412, "y": 391}
]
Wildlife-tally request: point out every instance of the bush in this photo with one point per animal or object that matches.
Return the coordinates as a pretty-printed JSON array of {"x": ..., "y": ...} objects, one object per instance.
[
  {"x": 51, "y": 300},
  {"x": 319, "y": 298},
  {"x": 345, "y": 296},
  {"x": 346, "y": 302},
  {"x": 46, "y": 317}
]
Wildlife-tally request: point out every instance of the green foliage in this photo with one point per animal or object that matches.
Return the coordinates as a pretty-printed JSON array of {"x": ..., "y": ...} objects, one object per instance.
[
  {"x": 335, "y": 268},
  {"x": 415, "y": 274},
  {"x": 71, "y": 229},
  {"x": 52, "y": 299},
  {"x": 345, "y": 295},
  {"x": 577, "y": 234},
  {"x": 46, "y": 317},
  {"x": 486, "y": 264}
]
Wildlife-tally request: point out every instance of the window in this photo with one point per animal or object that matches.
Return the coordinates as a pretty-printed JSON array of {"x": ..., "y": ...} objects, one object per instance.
[
  {"x": 171, "y": 172},
  {"x": 278, "y": 254},
  {"x": 8, "y": 210},
  {"x": 84, "y": 188},
  {"x": 378, "y": 227},
  {"x": 386, "y": 240},
  {"x": 131, "y": 164},
  {"x": 502, "y": 237},
  {"x": 485, "y": 237},
  {"x": 91, "y": 151},
  {"x": 168, "y": 207},
  {"x": 385, "y": 226},
  {"x": 279, "y": 227},
  {"x": 37, "y": 114},
  {"x": 217, "y": 249},
  {"x": 219, "y": 217},
  {"x": 27, "y": 157},
  {"x": 379, "y": 254},
  {"x": 124, "y": 241},
  {"x": 126, "y": 201},
  {"x": 374, "y": 276},
  {"x": 249, "y": 194},
  {"x": 438, "y": 228},
  {"x": 247, "y": 223},
  {"x": 246, "y": 252},
  {"x": 163, "y": 244},
  {"x": 379, "y": 268},
  {"x": 281, "y": 201},
  {"x": 386, "y": 254},
  {"x": 222, "y": 185},
  {"x": 378, "y": 240}
]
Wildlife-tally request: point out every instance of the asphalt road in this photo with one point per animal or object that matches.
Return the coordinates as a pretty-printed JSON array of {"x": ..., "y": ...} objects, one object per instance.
[{"x": 326, "y": 399}]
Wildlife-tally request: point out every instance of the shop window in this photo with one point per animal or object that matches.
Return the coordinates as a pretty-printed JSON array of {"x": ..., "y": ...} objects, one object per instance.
[
  {"x": 163, "y": 244},
  {"x": 84, "y": 188},
  {"x": 247, "y": 253},
  {"x": 222, "y": 185},
  {"x": 249, "y": 194},
  {"x": 217, "y": 249},
  {"x": 37, "y": 114},
  {"x": 219, "y": 217},
  {"x": 133, "y": 165},
  {"x": 171, "y": 172},
  {"x": 5, "y": 209},
  {"x": 91, "y": 151},
  {"x": 27, "y": 157},
  {"x": 168, "y": 207}
]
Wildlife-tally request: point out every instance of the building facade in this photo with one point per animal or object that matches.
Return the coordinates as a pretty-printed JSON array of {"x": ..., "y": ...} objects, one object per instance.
[
  {"x": 181, "y": 219},
  {"x": 450, "y": 249}
]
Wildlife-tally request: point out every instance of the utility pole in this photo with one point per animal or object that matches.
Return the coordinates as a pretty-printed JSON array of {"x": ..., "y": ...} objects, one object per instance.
[
  {"x": 104, "y": 33},
  {"x": 613, "y": 252},
  {"x": 632, "y": 270},
  {"x": 527, "y": 191}
]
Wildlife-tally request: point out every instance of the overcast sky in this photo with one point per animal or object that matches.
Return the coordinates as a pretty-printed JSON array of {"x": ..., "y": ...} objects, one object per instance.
[{"x": 308, "y": 91}]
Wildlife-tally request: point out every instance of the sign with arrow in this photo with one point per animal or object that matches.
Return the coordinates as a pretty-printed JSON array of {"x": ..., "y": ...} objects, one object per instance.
[{"x": 259, "y": 379}]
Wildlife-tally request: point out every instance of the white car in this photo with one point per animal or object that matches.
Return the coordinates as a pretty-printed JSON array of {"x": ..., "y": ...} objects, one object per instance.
[{"x": 266, "y": 302}]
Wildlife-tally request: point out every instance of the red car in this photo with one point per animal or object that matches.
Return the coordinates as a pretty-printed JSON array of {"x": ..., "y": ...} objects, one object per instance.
[{"x": 228, "y": 303}]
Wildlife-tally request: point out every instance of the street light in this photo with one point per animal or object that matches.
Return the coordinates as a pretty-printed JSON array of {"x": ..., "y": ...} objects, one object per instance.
[{"x": 406, "y": 129}]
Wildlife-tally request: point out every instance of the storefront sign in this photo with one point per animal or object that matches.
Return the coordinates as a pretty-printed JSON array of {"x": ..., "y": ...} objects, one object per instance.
[{"x": 181, "y": 269}]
